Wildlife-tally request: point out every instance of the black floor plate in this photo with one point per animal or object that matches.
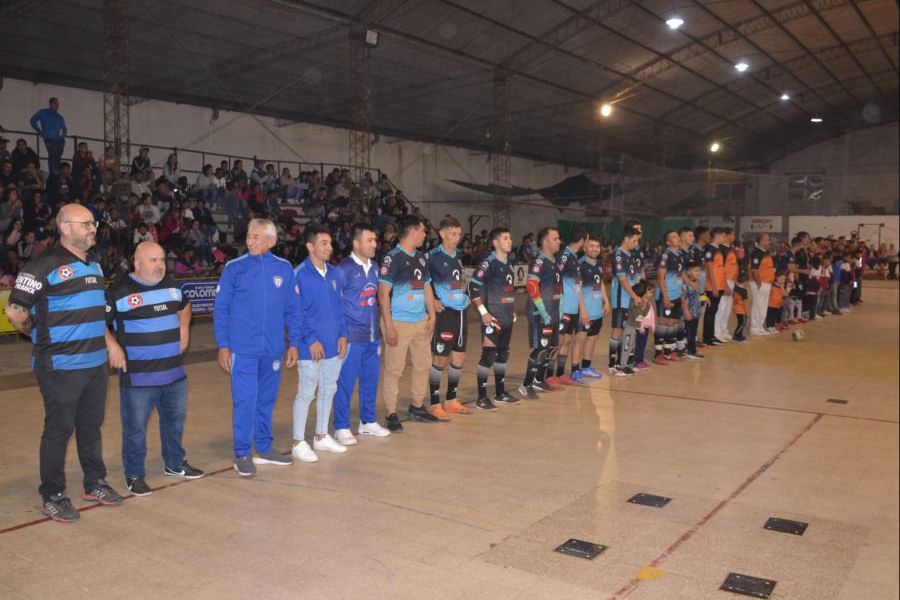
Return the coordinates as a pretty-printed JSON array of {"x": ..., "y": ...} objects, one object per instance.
[
  {"x": 786, "y": 526},
  {"x": 748, "y": 586},
  {"x": 837, "y": 401},
  {"x": 581, "y": 549},
  {"x": 649, "y": 500}
]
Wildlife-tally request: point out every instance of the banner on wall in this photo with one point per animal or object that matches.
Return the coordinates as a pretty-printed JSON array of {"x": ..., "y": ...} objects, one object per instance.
[
  {"x": 763, "y": 224},
  {"x": 201, "y": 293}
]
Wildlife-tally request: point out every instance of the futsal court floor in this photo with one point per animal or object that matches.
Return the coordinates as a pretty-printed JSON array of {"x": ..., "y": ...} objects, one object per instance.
[{"x": 804, "y": 431}]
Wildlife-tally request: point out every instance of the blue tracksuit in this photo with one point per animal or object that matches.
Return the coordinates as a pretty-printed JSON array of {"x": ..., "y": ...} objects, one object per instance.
[
  {"x": 322, "y": 306},
  {"x": 256, "y": 301},
  {"x": 50, "y": 124},
  {"x": 363, "y": 361}
]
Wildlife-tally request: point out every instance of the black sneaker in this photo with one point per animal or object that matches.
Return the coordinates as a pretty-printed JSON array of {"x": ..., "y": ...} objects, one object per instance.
[
  {"x": 59, "y": 508},
  {"x": 712, "y": 343},
  {"x": 527, "y": 392},
  {"x": 137, "y": 486},
  {"x": 627, "y": 370},
  {"x": 421, "y": 414},
  {"x": 694, "y": 355},
  {"x": 103, "y": 493},
  {"x": 186, "y": 471},
  {"x": 393, "y": 423},
  {"x": 739, "y": 338},
  {"x": 485, "y": 404},
  {"x": 506, "y": 398},
  {"x": 538, "y": 386}
]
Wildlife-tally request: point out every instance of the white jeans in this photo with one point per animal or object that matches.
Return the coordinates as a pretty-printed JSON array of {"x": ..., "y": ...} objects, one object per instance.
[
  {"x": 723, "y": 315},
  {"x": 759, "y": 306},
  {"x": 321, "y": 375}
]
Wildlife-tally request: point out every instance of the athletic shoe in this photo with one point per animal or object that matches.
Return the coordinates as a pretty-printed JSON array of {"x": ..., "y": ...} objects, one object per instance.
[
  {"x": 304, "y": 453},
  {"x": 137, "y": 486},
  {"x": 421, "y": 414},
  {"x": 793, "y": 322},
  {"x": 781, "y": 327},
  {"x": 345, "y": 437},
  {"x": 590, "y": 372},
  {"x": 695, "y": 355},
  {"x": 675, "y": 357},
  {"x": 642, "y": 366},
  {"x": 661, "y": 360},
  {"x": 577, "y": 377},
  {"x": 327, "y": 444},
  {"x": 393, "y": 423},
  {"x": 438, "y": 412},
  {"x": 700, "y": 345},
  {"x": 505, "y": 398},
  {"x": 539, "y": 386},
  {"x": 485, "y": 404},
  {"x": 566, "y": 380},
  {"x": 244, "y": 466},
  {"x": 803, "y": 320},
  {"x": 455, "y": 407},
  {"x": 773, "y": 330},
  {"x": 59, "y": 508},
  {"x": 186, "y": 471},
  {"x": 739, "y": 338},
  {"x": 103, "y": 493},
  {"x": 721, "y": 341},
  {"x": 617, "y": 372},
  {"x": 527, "y": 392},
  {"x": 372, "y": 428},
  {"x": 553, "y": 384},
  {"x": 627, "y": 370},
  {"x": 711, "y": 343},
  {"x": 272, "y": 458}
]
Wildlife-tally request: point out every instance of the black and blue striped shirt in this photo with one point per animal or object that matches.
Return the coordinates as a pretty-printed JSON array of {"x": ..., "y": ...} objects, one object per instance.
[
  {"x": 65, "y": 296},
  {"x": 145, "y": 319}
]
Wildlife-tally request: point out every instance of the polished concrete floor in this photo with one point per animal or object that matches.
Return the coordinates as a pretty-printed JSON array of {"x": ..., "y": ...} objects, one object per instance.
[{"x": 475, "y": 508}]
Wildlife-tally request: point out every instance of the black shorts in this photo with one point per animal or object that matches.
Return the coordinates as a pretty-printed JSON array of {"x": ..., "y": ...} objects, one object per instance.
[
  {"x": 593, "y": 329},
  {"x": 450, "y": 332},
  {"x": 499, "y": 337},
  {"x": 618, "y": 318},
  {"x": 673, "y": 313},
  {"x": 542, "y": 336},
  {"x": 569, "y": 324}
]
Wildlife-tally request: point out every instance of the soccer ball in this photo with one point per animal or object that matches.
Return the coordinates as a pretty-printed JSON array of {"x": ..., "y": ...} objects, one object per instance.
[{"x": 797, "y": 335}]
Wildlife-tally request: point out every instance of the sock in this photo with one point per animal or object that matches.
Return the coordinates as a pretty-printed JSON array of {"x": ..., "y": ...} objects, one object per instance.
[
  {"x": 658, "y": 340},
  {"x": 453, "y": 374},
  {"x": 499, "y": 378},
  {"x": 614, "y": 345},
  {"x": 679, "y": 338},
  {"x": 576, "y": 366},
  {"x": 561, "y": 364},
  {"x": 481, "y": 375},
  {"x": 434, "y": 383},
  {"x": 585, "y": 364}
]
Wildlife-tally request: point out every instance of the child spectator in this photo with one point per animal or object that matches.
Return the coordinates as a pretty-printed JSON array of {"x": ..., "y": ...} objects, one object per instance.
[
  {"x": 740, "y": 308},
  {"x": 776, "y": 302},
  {"x": 693, "y": 306}
]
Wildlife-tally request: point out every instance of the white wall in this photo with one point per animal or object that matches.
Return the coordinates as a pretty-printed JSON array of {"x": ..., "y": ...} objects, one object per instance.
[
  {"x": 843, "y": 225},
  {"x": 420, "y": 170}
]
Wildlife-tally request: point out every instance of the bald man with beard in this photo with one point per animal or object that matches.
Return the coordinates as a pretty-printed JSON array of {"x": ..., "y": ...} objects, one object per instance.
[
  {"x": 58, "y": 300},
  {"x": 150, "y": 321}
]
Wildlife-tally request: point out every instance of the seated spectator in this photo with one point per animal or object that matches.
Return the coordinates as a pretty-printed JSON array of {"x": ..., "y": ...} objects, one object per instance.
[
  {"x": 149, "y": 212},
  {"x": 84, "y": 186},
  {"x": 118, "y": 228},
  {"x": 30, "y": 182},
  {"x": 163, "y": 197},
  {"x": 108, "y": 167},
  {"x": 10, "y": 209},
  {"x": 25, "y": 246},
  {"x": 141, "y": 234},
  {"x": 4, "y": 151},
  {"x": 8, "y": 177},
  {"x": 198, "y": 239},
  {"x": 237, "y": 174},
  {"x": 187, "y": 265},
  {"x": 288, "y": 187},
  {"x": 13, "y": 234},
  {"x": 170, "y": 171},
  {"x": 140, "y": 185},
  {"x": 205, "y": 186},
  {"x": 272, "y": 204},
  {"x": 35, "y": 213},
  {"x": 383, "y": 186},
  {"x": 58, "y": 186},
  {"x": 22, "y": 155},
  {"x": 141, "y": 164},
  {"x": 7, "y": 280},
  {"x": 254, "y": 199},
  {"x": 84, "y": 159}
]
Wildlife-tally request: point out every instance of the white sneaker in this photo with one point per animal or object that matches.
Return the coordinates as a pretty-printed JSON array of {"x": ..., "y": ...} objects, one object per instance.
[
  {"x": 373, "y": 429},
  {"x": 345, "y": 438},
  {"x": 328, "y": 444},
  {"x": 304, "y": 453},
  {"x": 771, "y": 331}
]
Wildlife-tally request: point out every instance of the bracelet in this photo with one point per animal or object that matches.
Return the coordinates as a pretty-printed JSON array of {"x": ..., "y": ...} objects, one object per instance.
[{"x": 482, "y": 310}]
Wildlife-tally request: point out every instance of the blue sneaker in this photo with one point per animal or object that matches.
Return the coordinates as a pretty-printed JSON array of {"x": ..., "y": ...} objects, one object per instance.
[
  {"x": 577, "y": 377},
  {"x": 590, "y": 372}
]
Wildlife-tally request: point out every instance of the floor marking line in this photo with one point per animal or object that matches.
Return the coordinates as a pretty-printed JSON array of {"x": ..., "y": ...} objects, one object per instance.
[{"x": 687, "y": 535}]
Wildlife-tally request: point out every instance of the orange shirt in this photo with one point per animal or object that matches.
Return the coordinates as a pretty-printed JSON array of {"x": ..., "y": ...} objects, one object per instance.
[
  {"x": 719, "y": 271},
  {"x": 767, "y": 269},
  {"x": 739, "y": 307},
  {"x": 731, "y": 266},
  {"x": 776, "y": 297}
]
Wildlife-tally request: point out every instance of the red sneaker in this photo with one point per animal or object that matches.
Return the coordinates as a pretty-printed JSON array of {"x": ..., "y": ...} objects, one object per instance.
[
  {"x": 701, "y": 345},
  {"x": 675, "y": 358},
  {"x": 661, "y": 360},
  {"x": 567, "y": 380},
  {"x": 552, "y": 383},
  {"x": 793, "y": 322}
]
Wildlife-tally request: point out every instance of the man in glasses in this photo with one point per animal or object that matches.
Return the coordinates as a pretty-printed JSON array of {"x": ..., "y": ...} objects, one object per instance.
[{"x": 59, "y": 301}]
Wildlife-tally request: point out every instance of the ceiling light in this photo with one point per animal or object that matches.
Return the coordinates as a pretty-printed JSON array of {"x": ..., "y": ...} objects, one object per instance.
[
  {"x": 715, "y": 147},
  {"x": 674, "y": 22},
  {"x": 785, "y": 96},
  {"x": 606, "y": 109},
  {"x": 741, "y": 66},
  {"x": 816, "y": 119}
]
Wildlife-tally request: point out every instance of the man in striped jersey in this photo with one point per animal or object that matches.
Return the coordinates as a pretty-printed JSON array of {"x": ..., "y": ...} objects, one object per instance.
[
  {"x": 58, "y": 300},
  {"x": 151, "y": 320}
]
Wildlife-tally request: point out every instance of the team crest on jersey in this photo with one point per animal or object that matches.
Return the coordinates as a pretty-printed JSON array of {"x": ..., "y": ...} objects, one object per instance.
[
  {"x": 439, "y": 347},
  {"x": 384, "y": 270},
  {"x": 174, "y": 293},
  {"x": 544, "y": 342},
  {"x": 278, "y": 280},
  {"x": 135, "y": 300},
  {"x": 276, "y": 364},
  {"x": 488, "y": 330},
  {"x": 65, "y": 272}
]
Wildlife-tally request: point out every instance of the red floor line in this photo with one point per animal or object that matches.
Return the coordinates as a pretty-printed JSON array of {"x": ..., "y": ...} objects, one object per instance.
[
  {"x": 634, "y": 583},
  {"x": 128, "y": 497}
]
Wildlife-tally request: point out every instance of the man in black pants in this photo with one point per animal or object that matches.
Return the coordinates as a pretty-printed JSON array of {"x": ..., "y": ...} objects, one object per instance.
[
  {"x": 494, "y": 295},
  {"x": 715, "y": 284},
  {"x": 544, "y": 287},
  {"x": 59, "y": 300}
]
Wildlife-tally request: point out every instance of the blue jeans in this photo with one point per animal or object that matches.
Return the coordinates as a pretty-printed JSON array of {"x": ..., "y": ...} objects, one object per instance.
[
  {"x": 137, "y": 403},
  {"x": 322, "y": 374}
]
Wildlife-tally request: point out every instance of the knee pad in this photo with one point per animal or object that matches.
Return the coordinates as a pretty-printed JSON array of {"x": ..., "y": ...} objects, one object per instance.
[
  {"x": 502, "y": 354},
  {"x": 488, "y": 356}
]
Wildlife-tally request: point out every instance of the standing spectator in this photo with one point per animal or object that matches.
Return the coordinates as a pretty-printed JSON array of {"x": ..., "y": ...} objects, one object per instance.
[
  {"x": 251, "y": 348},
  {"x": 69, "y": 364},
  {"x": 892, "y": 259},
  {"x": 22, "y": 156},
  {"x": 51, "y": 126}
]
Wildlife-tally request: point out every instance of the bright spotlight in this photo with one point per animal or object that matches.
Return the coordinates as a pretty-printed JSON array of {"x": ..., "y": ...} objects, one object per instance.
[
  {"x": 715, "y": 147},
  {"x": 674, "y": 23},
  {"x": 741, "y": 67},
  {"x": 606, "y": 109},
  {"x": 816, "y": 119},
  {"x": 785, "y": 97}
]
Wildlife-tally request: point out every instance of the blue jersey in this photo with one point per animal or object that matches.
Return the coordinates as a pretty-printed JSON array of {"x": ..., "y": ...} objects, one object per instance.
[
  {"x": 571, "y": 280},
  {"x": 493, "y": 283},
  {"x": 446, "y": 272},
  {"x": 545, "y": 271},
  {"x": 66, "y": 298},
  {"x": 673, "y": 262},
  {"x": 407, "y": 275},
  {"x": 623, "y": 265},
  {"x": 592, "y": 287},
  {"x": 360, "y": 292}
]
